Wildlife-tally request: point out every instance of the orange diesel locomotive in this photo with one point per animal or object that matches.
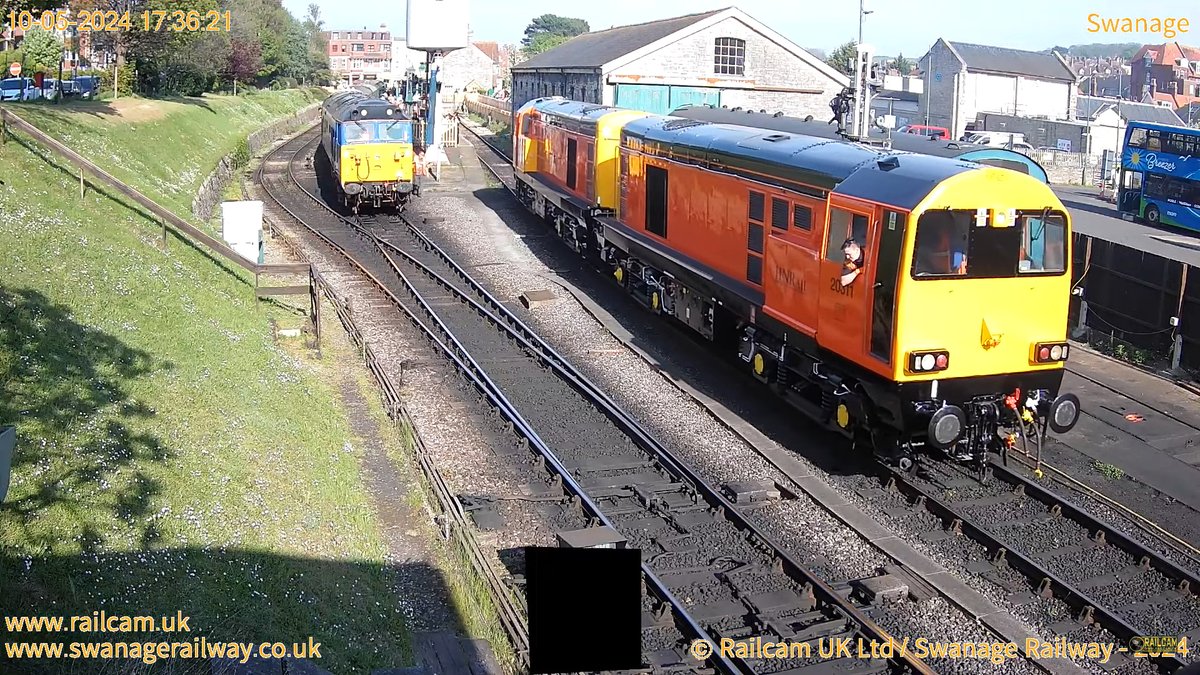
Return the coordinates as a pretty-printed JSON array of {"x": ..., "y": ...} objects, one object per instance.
[{"x": 904, "y": 299}]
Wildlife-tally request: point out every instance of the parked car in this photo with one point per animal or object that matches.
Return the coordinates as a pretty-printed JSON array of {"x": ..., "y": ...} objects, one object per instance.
[
  {"x": 1023, "y": 148},
  {"x": 86, "y": 86},
  {"x": 17, "y": 89},
  {"x": 49, "y": 89},
  {"x": 925, "y": 130}
]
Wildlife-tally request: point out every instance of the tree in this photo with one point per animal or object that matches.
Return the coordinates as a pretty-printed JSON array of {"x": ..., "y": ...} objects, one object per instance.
[
  {"x": 245, "y": 61},
  {"x": 42, "y": 50},
  {"x": 903, "y": 65},
  {"x": 553, "y": 24},
  {"x": 543, "y": 42},
  {"x": 843, "y": 58}
]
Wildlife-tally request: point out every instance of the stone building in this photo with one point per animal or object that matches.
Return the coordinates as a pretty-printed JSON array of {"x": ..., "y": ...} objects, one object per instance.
[
  {"x": 469, "y": 69},
  {"x": 723, "y": 57},
  {"x": 963, "y": 80}
]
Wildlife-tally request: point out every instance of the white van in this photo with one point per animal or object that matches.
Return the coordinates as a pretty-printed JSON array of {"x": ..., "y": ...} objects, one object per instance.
[{"x": 995, "y": 138}]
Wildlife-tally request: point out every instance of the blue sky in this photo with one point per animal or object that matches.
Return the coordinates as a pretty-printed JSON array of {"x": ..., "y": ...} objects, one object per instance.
[{"x": 907, "y": 27}]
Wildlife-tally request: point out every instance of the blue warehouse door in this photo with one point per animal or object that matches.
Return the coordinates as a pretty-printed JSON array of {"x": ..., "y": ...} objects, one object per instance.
[
  {"x": 651, "y": 98},
  {"x": 681, "y": 96}
]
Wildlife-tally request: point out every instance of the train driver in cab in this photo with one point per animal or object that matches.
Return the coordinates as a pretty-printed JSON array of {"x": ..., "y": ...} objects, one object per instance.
[
  {"x": 937, "y": 251},
  {"x": 854, "y": 261}
]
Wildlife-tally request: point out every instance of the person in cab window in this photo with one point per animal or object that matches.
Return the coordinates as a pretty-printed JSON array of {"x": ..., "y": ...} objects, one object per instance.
[
  {"x": 944, "y": 256},
  {"x": 854, "y": 261}
]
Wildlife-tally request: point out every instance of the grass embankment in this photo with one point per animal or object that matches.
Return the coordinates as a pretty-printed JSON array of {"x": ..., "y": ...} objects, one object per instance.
[{"x": 171, "y": 456}]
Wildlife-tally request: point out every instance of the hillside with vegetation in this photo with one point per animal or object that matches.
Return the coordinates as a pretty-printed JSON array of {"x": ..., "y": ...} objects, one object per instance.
[{"x": 172, "y": 456}]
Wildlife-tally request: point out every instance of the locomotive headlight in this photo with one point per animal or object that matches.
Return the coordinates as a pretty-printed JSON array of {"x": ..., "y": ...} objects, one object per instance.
[
  {"x": 946, "y": 427},
  {"x": 927, "y": 362},
  {"x": 1056, "y": 352}
]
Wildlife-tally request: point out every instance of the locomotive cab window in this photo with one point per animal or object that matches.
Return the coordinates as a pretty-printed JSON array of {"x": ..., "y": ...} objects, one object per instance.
[
  {"x": 941, "y": 247},
  {"x": 1043, "y": 243},
  {"x": 965, "y": 243},
  {"x": 844, "y": 225}
]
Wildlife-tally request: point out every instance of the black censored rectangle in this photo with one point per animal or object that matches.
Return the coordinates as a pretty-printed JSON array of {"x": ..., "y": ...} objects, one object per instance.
[{"x": 584, "y": 609}]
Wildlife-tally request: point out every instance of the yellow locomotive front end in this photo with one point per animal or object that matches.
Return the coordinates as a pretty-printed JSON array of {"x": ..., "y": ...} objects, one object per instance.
[
  {"x": 981, "y": 320},
  {"x": 376, "y": 160}
]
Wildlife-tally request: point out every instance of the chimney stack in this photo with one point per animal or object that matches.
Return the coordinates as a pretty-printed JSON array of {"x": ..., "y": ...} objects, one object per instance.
[{"x": 1153, "y": 87}]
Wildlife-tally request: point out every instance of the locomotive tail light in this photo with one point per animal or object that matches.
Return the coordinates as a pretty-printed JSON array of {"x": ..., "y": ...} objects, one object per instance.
[
  {"x": 1064, "y": 413},
  {"x": 946, "y": 427},
  {"x": 1051, "y": 352},
  {"x": 928, "y": 362}
]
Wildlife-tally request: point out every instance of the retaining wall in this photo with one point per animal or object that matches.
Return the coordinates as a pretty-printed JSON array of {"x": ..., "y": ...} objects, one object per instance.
[{"x": 211, "y": 192}]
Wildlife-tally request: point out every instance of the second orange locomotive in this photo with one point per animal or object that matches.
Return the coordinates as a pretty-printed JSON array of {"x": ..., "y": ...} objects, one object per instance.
[{"x": 906, "y": 300}]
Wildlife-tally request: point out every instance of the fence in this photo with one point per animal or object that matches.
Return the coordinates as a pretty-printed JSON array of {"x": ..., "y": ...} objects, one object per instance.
[
  {"x": 490, "y": 109},
  {"x": 183, "y": 229},
  {"x": 1137, "y": 306}
]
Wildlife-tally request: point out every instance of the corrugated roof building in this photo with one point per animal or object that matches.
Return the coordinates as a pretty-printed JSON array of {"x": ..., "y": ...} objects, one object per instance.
[
  {"x": 721, "y": 57},
  {"x": 962, "y": 80}
]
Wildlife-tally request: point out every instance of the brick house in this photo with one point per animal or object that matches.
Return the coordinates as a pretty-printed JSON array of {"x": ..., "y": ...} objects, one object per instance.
[
  {"x": 1166, "y": 74},
  {"x": 723, "y": 57},
  {"x": 963, "y": 80},
  {"x": 358, "y": 55}
]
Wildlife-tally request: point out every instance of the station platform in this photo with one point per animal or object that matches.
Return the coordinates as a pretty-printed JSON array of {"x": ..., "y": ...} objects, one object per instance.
[
  {"x": 1095, "y": 217},
  {"x": 1145, "y": 425}
]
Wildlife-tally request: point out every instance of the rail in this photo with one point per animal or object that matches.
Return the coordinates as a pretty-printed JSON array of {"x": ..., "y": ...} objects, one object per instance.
[
  {"x": 454, "y": 521},
  {"x": 182, "y": 227}
]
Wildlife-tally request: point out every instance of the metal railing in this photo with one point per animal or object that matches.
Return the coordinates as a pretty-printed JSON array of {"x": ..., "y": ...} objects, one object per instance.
[{"x": 183, "y": 229}]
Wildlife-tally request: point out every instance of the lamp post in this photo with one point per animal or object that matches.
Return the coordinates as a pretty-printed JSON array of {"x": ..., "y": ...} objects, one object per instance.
[{"x": 862, "y": 72}]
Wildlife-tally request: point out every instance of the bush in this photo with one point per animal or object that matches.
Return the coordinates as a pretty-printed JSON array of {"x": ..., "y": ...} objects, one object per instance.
[
  {"x": 185, "y": 80},
  {"x": 241, "y": 153}
]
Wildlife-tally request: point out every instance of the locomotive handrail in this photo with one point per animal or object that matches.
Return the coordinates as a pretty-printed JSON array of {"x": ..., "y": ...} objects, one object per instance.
[{"x": 84, "y": 164}]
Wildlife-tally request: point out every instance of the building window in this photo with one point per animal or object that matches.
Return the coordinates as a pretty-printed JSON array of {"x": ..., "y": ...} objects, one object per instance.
[
  {"x": 357, "y": 47},
  {"x": 729, "y": 56},
  {"x": 387, "y": 46},
  {"x": 370, "y": 48}
]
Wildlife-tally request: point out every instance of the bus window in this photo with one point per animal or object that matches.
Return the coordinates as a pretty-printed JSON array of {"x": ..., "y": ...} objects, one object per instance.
[
  {"x": 1042, "y": 244},
  {"x": 1154, "y": 143},
  {"x": 1137, "y": 138}
]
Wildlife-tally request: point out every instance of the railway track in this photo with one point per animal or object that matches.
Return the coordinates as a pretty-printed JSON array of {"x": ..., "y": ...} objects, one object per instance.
[
  {"x": 1128, "y": 590},
  {"x": 715, "y": 574},
  {"x": 1040, "y": 546}
]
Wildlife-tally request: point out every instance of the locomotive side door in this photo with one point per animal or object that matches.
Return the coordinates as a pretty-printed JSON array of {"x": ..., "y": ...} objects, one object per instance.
[{"x": 844, "y": 323}]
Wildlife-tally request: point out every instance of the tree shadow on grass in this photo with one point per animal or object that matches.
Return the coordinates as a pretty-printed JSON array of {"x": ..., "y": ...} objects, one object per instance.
[{"x": 81, "y": 452}]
